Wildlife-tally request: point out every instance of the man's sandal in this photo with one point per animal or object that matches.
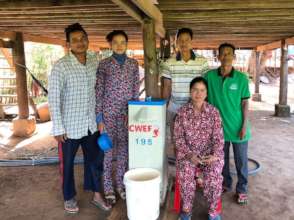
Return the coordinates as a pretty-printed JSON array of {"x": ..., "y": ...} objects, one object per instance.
[
  {"x": 71, "y": 206},
  {"x": 185, "y": 216},
  {"x": 242, "y": 198},
  {"x": 217, "y": 217}
]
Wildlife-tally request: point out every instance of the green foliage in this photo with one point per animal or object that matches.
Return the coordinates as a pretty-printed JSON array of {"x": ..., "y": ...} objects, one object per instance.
[{"x": 39, "y": 60}]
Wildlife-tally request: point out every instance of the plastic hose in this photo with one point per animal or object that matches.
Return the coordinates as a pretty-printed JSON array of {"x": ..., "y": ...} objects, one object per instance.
[{"x": 35, "y": 162}]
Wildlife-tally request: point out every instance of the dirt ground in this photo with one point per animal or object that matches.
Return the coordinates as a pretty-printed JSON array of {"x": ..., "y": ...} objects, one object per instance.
[{"x": 34, "y": 192}]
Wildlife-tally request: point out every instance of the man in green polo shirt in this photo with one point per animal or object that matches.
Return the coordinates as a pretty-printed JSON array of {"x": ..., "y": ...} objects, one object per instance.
[{"x": 228, "y": 90}]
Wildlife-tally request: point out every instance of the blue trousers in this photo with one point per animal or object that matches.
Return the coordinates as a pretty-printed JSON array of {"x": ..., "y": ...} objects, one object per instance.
[
  {"x": 241, "y": 163},
  {"x": 93, "y": 164}
]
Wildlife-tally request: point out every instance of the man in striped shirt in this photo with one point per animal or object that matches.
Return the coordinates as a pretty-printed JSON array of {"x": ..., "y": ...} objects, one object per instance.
[
  {"x": 178, "y": 72},
  {"x": 72, "y": 107}
]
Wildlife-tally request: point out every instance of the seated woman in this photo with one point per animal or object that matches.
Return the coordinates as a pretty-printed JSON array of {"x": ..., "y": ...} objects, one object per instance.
[{"x": 199, "y": 141}]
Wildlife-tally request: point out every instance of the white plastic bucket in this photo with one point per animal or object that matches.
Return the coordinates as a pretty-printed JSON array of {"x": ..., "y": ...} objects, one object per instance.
[{"x": 143, "y": 193}]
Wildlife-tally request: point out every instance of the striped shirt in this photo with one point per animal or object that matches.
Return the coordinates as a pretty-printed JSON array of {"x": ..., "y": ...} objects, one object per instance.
[
  {"x": 72, "y": 96},
  {"x": 181, "y": 74}
]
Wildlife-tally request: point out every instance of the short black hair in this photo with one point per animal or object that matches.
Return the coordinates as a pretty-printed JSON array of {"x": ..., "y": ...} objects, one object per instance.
[
  {"x": 73, "y": 28},
  {"x": 198, "y": 79},
  {"x": 184, "y": 30},
  {"x": 114, "y": 33},
  {"x": 226, "y": 45}
]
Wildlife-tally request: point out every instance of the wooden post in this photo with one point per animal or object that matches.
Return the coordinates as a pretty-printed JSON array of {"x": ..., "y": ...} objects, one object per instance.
[
  {"x": 256, "y": 96},
  {"x": 275, "y": 63},
  {"x": 150, "y": 59},
  {"x": 282, "y": 109},
  {"x": 23, "y": 125},
  {"x": 21, "y": 77},
  {"x": 165, "y": 49},
  {"x": 283, "y": 74},
  {"x": 2, "y": 114}
]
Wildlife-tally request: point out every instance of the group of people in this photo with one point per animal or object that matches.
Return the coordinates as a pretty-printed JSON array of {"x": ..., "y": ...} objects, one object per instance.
[
  {"x": 207, "y": 111},
  {"x": 85, "y": 100}
]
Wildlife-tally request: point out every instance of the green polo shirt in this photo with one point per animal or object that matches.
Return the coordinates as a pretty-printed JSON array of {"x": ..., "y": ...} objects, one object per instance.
[{"x": 226, "y": 94}]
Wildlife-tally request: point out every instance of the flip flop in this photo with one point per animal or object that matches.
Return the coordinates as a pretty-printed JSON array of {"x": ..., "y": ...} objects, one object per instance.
[
  {"x": 110, "y": 198},
  {"x": 122, "y": 193},
  {"x": 217, "y": 217},
  {"x": 242, "y": 198},
  {"x": 185, "y": 216},
  {"x": 101, "y": 205},
  {"x": 71, "y": 206}
]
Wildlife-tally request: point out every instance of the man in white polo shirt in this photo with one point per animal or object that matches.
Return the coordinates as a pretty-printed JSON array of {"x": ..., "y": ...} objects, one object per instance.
[{"x": 178, "y": 72}]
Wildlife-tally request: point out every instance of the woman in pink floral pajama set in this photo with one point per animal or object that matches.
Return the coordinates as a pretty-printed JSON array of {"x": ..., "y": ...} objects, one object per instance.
[
  {"x": 199, "y": 141},
  {"x": 117, "y": 83}
]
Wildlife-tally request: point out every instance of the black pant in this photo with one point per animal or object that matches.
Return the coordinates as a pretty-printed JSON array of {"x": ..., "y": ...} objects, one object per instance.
[{"x": 93, "y": 164}]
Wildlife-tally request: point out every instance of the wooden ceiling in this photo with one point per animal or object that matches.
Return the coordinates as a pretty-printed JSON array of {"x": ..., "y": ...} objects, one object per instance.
[
  {"x": 45, "y": 20},
  {"x": 245, "y": 23}
]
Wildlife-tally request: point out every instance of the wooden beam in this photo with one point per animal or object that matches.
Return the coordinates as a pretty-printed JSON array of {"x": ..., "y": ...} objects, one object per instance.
[
  {"x": 130, "y": 9},
  {"x": 275, "y": 45},
  {"x": 149, "y": 9},
  {"x": 11, "y": 35},
  {"x": 139, "y": 9},
  {"x": 229, "y": 23},
  {"x": 21, "y": 76},
  {"x": 290, "y": 41},
  {"x": 8, "y": 57},
  {"x": 45, "y": 40},
  {"x": 270, "y": 46},
  {"x": 184, "y": 5},
  {"x": 230, "y": 14},
  {"x": 159, "y": 29},
  {"x": 7, "y": 34},
  {"x": 65, "y": 22},
  {"x": 35, "y": 4},
  {"x": 73, "y": 9},
  {"x": 60, "y": 14},
  {"x": 150, "y": 59},
  {"x": 6, "y": 44}
]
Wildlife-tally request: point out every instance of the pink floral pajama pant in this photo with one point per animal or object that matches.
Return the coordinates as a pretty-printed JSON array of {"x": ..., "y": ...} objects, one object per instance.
[
  {"x": 118, "y": 132},
  {"x": 212, "y": 184}
]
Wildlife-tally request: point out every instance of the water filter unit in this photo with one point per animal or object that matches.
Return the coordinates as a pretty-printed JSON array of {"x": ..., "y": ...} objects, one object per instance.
[{"x": 147, "y": 132}]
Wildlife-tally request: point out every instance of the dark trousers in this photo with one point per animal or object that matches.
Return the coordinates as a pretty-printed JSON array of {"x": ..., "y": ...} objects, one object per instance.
[
  {"x": 93, "y": 164},
  {"x": 241, "y": 163}
]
